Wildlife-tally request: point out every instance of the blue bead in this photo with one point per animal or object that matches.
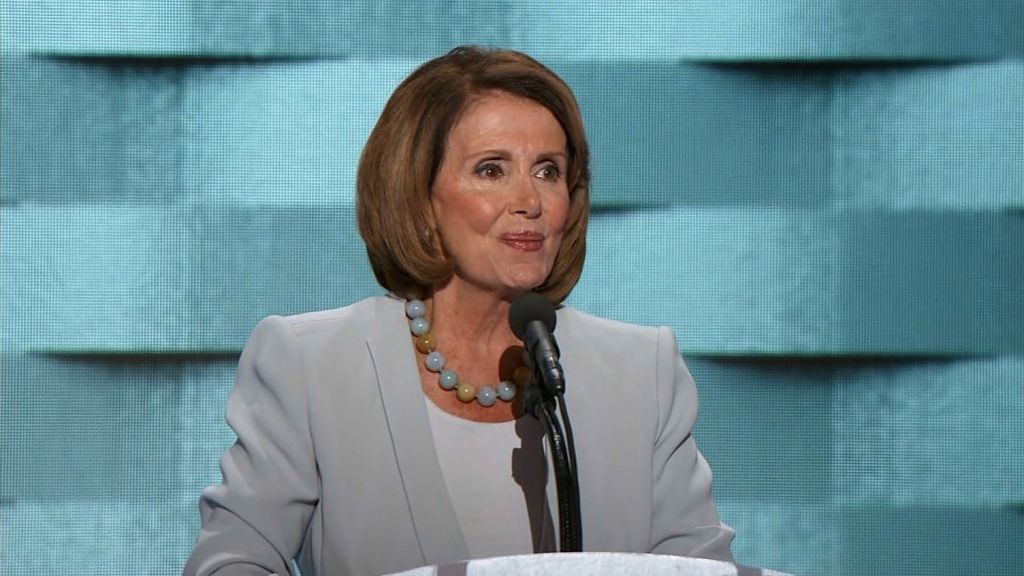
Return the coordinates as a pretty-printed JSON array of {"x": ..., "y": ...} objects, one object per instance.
[
  {"x": 415, "y": 309},
  {"x": 506, "y": 390},
  {"x": 486, "y": 396},
  {"x": 435, "y": 361},
  {"x": 448, "y": 380},
  {"x": 419, "y": 326}
]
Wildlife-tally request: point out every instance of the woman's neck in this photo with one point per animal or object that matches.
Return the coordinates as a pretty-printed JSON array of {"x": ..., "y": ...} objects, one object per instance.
[
  {"x": 471, "y": 328},
  {"x": 472, "y": 315}
]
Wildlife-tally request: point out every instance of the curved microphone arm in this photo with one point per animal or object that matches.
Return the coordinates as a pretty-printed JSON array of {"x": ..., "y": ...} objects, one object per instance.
[
  {"x": 570, "y": 445},
  {"x": 532, "y": 318},
  {"x": 570, "y": 532}
]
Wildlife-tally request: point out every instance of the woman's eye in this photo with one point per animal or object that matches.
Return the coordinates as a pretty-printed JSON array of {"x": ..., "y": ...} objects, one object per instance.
[
  {"x": 489, "y": 170},
  {"x": 549, "y": 172}
]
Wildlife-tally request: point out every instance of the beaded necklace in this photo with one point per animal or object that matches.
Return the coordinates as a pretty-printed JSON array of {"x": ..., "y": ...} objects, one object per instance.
[{"x": 447, "y": 378}]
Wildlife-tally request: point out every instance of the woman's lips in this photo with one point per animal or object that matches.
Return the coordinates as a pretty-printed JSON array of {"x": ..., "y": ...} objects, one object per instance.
[{"x": 526, "y": 241}]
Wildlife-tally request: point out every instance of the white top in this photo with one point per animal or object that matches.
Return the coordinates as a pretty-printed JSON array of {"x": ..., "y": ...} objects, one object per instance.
[{"x": 496, "y": 475}]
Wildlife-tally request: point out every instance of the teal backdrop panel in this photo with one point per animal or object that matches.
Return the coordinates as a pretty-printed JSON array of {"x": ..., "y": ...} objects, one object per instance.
[{"x": 825, "y": 200}]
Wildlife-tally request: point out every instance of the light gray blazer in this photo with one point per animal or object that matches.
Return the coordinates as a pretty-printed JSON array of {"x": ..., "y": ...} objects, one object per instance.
[{"x": 335, "y": 460}]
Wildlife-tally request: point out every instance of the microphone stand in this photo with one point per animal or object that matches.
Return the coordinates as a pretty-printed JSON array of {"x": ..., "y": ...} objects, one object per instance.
[{"x": 540, "y": 401}]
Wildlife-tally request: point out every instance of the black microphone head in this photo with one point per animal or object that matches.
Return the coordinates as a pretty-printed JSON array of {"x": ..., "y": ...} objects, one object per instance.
[{"x": 527, "y": 308}]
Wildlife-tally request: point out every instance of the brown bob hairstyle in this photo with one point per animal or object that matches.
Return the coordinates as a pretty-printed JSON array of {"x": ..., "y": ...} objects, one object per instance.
[{"x": 406, "y": 149}]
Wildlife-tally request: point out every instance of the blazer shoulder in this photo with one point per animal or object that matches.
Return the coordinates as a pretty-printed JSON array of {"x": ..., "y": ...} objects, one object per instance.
[
  {"x": 312, "y": 334},
  {"x": 359, "y": 316},
  {"x": 585, "y": 325}
]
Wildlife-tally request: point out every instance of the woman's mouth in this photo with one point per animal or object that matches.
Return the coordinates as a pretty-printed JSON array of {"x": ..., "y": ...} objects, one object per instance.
[{"x": 526, "y": 241}]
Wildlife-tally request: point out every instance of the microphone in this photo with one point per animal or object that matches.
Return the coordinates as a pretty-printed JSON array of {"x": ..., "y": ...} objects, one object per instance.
[{"x": 532, "y": 318}]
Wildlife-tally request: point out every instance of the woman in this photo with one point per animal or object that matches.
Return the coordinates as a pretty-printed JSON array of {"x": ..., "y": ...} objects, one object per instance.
[{"x": 389, "y": 434}]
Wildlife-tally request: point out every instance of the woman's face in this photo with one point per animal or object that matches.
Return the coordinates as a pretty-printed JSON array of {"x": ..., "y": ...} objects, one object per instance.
[{"x": 500, "y": 197}]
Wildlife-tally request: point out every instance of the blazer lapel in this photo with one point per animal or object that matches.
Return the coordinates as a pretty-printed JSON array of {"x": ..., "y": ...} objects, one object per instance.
[{"x": 430, "y": 506}]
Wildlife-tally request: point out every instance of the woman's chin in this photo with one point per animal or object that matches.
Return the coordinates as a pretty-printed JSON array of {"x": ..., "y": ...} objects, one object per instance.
[
  {"x": 518, "y": 288},
  {"x": 510, "y": 290},
  {"x": 515, "y": 282}
]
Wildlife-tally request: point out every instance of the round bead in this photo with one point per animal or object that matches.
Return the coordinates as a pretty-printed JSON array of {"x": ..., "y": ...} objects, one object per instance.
[
  {"x": 506, "y": 390},
  {"x": 435, "y": 361},
  {"x": 466, "y": 392},
  {"x": 521, "y": 376},
  {"x": 487, "y": 396},
  {"x": 415, "y": 309},
  {"x": 419, "y": 326},
  {"x": 426, "y": 343},
  {"x": 448, "y": 379}
]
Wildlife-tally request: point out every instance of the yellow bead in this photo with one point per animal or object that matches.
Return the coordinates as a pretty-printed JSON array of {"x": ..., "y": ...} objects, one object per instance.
[
  {"x": 466, "y": 392},
  {"x": 522, "y": 376},
  {"x": 426, "y": 343}
]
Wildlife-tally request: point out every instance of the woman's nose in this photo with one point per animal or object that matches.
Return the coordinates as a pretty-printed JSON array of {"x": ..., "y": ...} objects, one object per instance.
[{"x": 526, "y": 198}]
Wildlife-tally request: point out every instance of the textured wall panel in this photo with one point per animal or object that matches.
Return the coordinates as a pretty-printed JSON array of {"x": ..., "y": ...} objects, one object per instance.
[
  {"x": 765, "y": 429},
  {"x": 704, "y": 135},
  {"x": 872, "y": 30},
  {"x": 931, "y": 540},
  {"x": 722, "y": 278},
  {"x": 917, "y": 452},
  {"x": 788, "y": 282},
  {"x": 907, "y": 433},
  {"x": 240, "y": 28},
  {"x": 282, "y": 132},
  {"x": 930, "y": 137},
  {"x": 893, "y": 137},
  {"x": 786, "y": 30},
  {"x": 110, "y": 485},
  {"x": 94, "y": 27},
  {"x": 853, "y": 541},
  {"x": 931, "y": 283},
  {"x": 599, "y": 30},
  {"x": 360, "y": 28},
  {"x": 88, "y": 538},
  {"x": 87, "y": 130},
  {"x": 292, "y": 131},
  {"x": 139, "y": 278},
  {"x": 792, "y": 537},
  {"x": 256, "y": 261},
  {"x": 127, "y": 277},
  {"x": 926, "y": 137},
  {"x": 96, "y": 277},
  {"x": 141, "y": 428},
  {"x": 157, "y": 131},
  {"x": 930, "y": 433},
  {"x": 692, "y": 29}
]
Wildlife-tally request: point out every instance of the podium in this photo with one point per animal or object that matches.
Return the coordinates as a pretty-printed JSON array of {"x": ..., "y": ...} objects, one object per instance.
[{"x": 590, "y": 564}]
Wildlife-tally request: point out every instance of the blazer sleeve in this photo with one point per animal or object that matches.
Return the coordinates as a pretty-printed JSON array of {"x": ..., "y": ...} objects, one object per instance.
[
  {"x": 685, "y": 519},
  {"x": 255, "y": 521}
]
